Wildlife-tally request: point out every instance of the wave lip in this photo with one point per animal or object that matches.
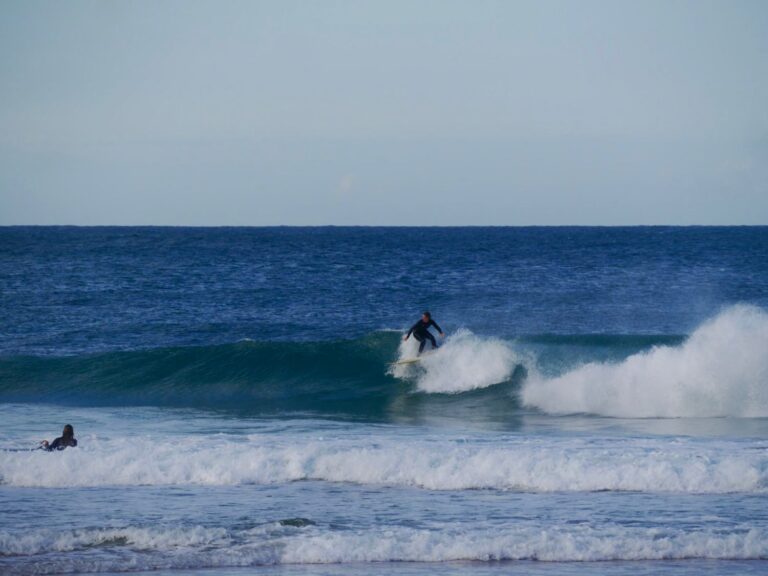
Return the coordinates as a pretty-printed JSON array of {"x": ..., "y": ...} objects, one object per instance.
[
  {"x": 720, "y": 370},
  {"x": 573, "y": 465}
]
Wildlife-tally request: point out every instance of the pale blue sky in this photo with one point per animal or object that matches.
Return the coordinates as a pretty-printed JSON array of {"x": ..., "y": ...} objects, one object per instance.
[{"x": 435, "y": 113}]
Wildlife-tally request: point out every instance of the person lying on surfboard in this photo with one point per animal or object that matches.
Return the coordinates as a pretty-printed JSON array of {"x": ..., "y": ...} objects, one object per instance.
[
  {"x": 421, "y": 332},
  {"x": 67, "y": 438}
]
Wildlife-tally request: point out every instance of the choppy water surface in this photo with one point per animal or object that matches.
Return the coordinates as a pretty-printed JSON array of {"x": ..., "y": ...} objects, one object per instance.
[{"x": 600, "y": 404}]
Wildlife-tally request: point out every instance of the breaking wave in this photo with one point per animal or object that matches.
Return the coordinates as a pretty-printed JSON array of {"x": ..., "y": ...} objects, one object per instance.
[
  {"x": 195, "y": 546},
  {"x": 720, "y": 370},
  {"x": 379, "y": 458},
  {"x": 465, "y": 362}
]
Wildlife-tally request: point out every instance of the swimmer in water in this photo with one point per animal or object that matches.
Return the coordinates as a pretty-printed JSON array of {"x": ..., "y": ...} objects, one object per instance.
[{"x": 66, "y": 439}]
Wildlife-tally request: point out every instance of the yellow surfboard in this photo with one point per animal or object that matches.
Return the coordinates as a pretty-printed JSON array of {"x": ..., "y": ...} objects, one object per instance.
[{"x": 406, "y": 361}]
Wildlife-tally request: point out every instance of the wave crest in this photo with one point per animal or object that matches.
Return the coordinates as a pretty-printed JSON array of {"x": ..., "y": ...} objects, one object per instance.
[
  {"x": 720, "y": 370},
  {"x": 463, "y": 363}
]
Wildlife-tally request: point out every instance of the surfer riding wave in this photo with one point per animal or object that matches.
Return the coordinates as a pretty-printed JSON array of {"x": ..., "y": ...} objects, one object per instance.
[{"x": 421, "y": 332}]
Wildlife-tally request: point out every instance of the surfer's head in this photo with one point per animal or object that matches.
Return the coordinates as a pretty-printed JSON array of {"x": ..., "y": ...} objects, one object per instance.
[
  {"x": 426, "y": 316},
  {"x": 68, "y": 432}
]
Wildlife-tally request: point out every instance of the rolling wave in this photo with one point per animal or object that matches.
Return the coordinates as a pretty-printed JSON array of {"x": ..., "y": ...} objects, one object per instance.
[
  {"x": 194, "y": 546},
  {"x": 384, "y": 456},
  {"x": 333, "y": 376},
  {"x": 351, "y": 377},
  {"x": 721, "y": 369}
]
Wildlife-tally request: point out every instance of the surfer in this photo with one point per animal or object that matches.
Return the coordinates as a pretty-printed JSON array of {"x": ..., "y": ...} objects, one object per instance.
[
  {"x": 421, "y": 332},
  {"x": 67, "y": 438}
]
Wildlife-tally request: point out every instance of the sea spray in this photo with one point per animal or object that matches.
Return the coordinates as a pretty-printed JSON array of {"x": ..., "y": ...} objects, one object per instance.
[
  {"x": 721, "y": 370},
  {"x": 463, "y": 363},
  {"x": 199, "y": 450}
]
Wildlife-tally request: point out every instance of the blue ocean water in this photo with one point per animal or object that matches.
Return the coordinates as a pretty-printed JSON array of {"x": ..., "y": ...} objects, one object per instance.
[{"x": 599, "y": 405}]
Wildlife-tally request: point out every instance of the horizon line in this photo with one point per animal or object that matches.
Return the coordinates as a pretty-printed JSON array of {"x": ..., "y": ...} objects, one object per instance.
[{"x": 383, "y": 226}]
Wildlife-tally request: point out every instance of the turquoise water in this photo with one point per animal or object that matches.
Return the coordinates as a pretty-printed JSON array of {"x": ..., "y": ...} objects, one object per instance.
[{"x": 600, "y": 404}]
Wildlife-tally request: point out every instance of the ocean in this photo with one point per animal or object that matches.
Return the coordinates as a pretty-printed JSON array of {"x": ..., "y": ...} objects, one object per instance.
[{"x": 599, "y": 404}]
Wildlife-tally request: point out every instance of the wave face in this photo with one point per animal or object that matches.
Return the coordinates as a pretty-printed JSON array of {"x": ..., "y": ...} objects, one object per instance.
[
  {"x": 349, "y": 377},
  {"x": 266, "y": 376},
  {"x": 720, "y": 370}
]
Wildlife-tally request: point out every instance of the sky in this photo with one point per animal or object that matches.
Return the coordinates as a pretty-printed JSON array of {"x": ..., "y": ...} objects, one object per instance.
[{"x": 546, "y": 112}]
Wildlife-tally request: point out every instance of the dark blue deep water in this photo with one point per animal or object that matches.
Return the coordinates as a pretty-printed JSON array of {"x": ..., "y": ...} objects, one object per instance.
[
  {"x": 76, "y": 290},
  {"x": 600, "y": 401}
]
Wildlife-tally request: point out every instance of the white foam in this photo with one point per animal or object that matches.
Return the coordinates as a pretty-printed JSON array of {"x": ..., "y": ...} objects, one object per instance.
[
  {"x": 198, "y": 547},
  {"x": 721, "y": 370},
  {"x": 138, "y": 538},
  {"x": 503, "y": 463},
  {"x": 464, "y": 362},
  {"x": 580, "y": 543}
]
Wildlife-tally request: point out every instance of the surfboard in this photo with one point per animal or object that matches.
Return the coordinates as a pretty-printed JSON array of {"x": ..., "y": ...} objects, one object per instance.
[
  {"x": 406, "y": 361},
  {"x": 413, "y": 360}
]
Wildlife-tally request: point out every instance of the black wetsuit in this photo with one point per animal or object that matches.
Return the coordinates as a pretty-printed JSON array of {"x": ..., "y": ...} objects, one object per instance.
[
  {"x": 60, "y": 443},
  {"x": 421, "y": 332}
]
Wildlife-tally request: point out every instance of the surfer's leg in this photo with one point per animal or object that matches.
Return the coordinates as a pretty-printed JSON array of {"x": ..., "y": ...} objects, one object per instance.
[
  {"x": 422, "y": 342},
  {"x": 431, "y": 339}
]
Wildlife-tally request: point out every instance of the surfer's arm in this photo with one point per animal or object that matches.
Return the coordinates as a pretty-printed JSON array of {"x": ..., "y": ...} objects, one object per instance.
[
  {"x": 433, "y": 323},
  {"x": 408, "y": 335}
]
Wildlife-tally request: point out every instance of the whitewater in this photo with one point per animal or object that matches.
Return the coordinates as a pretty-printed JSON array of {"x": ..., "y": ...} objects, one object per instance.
[
  {"x": 599, "y": 404},
  {"x": 400, "y": 457},
  {"x": 189, "y": 490},
  {"x": 720, "y": 370}
]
